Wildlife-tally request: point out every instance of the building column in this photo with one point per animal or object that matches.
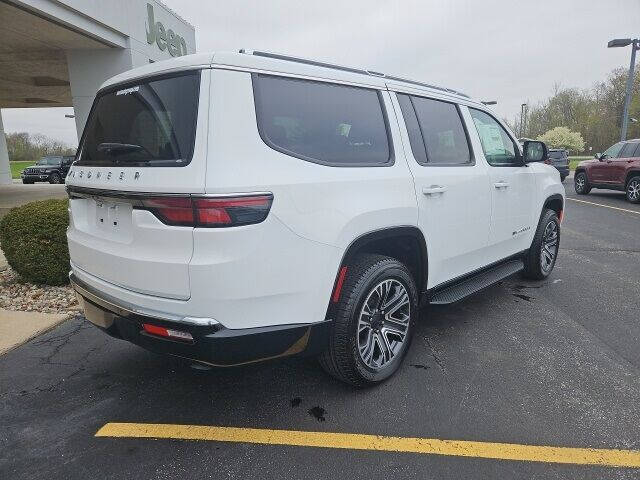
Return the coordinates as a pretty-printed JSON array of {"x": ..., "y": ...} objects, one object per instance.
[
  {"x": 88, "y": 69},
  {"x": 5, "y": 171}
]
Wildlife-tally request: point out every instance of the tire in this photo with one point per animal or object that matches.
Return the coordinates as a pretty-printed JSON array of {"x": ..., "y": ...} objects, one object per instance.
[
  {"x": 581, "y": 183},
  {"x": 632, "y": 189},
  {"x": 562, "y": 177},
  {"x": 55, "y": 178},
  {"x": 543, "y": 253},
  {"x": 358, "y": 358}
]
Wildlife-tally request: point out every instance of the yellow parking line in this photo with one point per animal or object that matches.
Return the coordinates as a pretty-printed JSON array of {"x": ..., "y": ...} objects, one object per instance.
[
  {"x": 605, "y": 206},
  {"x": 429, "y": 446}
]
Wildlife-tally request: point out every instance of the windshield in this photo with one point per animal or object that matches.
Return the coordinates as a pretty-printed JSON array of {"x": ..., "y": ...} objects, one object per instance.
[
  {"x": 151, "y": 123},
  {"x": 49, "y": 161}
]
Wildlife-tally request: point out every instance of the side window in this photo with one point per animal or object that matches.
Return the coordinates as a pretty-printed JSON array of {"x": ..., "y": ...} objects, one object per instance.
[
  {"x": 613, "y": 150},
  {"x": 627, "y": 150},
  {"x": 636, "y": 153},
  {"x": 322, "y": 122},
  {"x": 498, "y": 147},
  {"x": 413, "y": 128},
  {"x": 444, "y": 136}
]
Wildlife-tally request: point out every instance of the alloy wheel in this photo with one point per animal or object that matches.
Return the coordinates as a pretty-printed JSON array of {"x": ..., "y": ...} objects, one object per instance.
[
  {"x": 383, "y": 324},
  {"x": 633, "y": 190},
  {"x": 580, "y": 183},
  {"x": 549, "y": 248}
]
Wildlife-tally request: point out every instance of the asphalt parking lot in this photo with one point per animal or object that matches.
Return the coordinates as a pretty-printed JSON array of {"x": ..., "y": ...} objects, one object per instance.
[
  {"x": 18, "y": 194},
  {"x": 551, "y": 364}
]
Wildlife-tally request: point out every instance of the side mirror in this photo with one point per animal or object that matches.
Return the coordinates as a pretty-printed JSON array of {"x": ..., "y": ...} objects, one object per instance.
[
  {"x": 598, "y": 156},
  {"x": 534, "y": 151}
]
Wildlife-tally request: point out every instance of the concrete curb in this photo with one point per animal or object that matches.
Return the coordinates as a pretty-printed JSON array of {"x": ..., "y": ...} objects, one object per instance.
[{"x": 17, "y": 328}]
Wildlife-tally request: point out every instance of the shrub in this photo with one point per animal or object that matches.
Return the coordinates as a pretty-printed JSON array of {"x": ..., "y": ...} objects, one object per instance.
[{"x": 34, "y": 241}]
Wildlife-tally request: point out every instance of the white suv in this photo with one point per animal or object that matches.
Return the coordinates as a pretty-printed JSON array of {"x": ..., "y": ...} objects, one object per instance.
[{"x": 236, "y": 207}]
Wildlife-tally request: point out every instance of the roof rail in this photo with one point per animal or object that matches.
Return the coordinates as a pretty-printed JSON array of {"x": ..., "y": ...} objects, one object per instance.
[
  {"x": 371, "y": 73},
  {"x": 306, "y": 61},
  {"x": 428, "y": 85}
]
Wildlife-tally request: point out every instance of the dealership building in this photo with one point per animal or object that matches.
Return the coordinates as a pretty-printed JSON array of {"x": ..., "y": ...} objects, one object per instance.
[{"x": 57, "y": 53}]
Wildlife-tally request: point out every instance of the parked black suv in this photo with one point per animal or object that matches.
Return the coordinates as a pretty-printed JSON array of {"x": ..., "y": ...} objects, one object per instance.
[
  {"x": 559, "y": 159},
  {"x": 52, "y": 169}
]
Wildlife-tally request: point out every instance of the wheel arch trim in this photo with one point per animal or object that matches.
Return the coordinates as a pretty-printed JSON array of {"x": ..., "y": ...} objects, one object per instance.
[{"x": 358, "y": 243}]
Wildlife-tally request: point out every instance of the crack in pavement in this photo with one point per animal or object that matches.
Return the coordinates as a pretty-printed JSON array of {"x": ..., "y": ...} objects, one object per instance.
[
  {"x": 58, "y": 342},
  {"x": 436, "y": 358}
]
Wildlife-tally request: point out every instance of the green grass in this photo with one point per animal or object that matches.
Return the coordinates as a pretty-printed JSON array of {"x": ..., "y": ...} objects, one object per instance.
[
  {"x": 574, "y": 161},
  {"x": 17, "y": 167}
]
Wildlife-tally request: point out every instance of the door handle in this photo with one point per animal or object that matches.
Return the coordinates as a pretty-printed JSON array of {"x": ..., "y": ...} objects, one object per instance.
[
  {"x": 434, "y": 190},
  {"x": 501, "y": 184}
]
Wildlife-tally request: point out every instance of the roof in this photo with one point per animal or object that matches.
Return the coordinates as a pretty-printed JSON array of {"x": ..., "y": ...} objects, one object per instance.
[{"x": 277, "y": 63}]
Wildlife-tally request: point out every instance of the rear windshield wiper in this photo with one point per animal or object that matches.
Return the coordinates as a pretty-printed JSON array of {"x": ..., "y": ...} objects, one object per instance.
[{"x": 121, "y": 148}]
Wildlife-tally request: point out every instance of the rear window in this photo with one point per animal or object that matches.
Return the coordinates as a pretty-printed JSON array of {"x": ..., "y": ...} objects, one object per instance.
[
  {"x": 150, "y": 123},
  {"x": 321, "y": 122}
]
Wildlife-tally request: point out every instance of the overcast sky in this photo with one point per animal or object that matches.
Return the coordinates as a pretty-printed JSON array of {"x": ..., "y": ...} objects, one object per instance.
[{"x": 512, "y": 51}]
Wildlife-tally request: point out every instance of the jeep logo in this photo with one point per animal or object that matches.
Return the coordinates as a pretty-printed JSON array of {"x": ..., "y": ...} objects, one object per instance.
[{"x": 165, "y": 39}]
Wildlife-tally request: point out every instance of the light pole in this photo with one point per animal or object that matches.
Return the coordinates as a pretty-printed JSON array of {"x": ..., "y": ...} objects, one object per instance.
[
  {"x": 635, "y": 45},
  {"x": 523, "y": 115}
]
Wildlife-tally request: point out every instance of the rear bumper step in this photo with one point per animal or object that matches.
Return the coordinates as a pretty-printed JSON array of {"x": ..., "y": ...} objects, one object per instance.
[{"x": 212, "y": 343}]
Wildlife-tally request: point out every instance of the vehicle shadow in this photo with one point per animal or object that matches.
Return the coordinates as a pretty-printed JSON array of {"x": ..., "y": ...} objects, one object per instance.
[{"x": 133, "y": 385}]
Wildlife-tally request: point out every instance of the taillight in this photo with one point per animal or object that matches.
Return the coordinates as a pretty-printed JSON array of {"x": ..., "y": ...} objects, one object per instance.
[
  {"x": 171, "y": 210},
  {"x": 231, "y": 211},
  {"x": 209, "y": 212}
]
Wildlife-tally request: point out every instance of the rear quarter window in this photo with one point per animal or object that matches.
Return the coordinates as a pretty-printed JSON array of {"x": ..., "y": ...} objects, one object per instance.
[{"x": 330, "y": 124}]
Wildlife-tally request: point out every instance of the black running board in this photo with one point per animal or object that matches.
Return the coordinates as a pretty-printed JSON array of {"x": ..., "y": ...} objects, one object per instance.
[{"x": 475, "y": 283}]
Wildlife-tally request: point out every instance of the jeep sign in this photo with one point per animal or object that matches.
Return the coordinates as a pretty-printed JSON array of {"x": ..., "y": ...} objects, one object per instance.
[{"x": 165, "y": 39}]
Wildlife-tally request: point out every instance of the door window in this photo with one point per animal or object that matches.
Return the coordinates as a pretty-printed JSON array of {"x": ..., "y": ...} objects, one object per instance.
[
  {"x": 613, "y": 150},
  {"x": 413, "y": 129},
  {"x": 499, "y": 148},
  {"x": 444, "y": 136},
  {"x": 627, "y": 150}
]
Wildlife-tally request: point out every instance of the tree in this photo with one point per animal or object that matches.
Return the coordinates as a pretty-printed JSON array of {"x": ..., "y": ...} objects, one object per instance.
[
  {"x": 562, "y": 137},
  {"x": 25, "y": 147},
  {"x": 596, "y": 112}
]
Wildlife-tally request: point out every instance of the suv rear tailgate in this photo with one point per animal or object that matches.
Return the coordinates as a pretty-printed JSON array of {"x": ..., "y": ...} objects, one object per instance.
[
  {"x": 130, "y": 248},
  {"x": 143, "y": 140}
]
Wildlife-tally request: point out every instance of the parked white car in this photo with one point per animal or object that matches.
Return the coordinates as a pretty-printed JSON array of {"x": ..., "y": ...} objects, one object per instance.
[{"x": 236, "y": 207}]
